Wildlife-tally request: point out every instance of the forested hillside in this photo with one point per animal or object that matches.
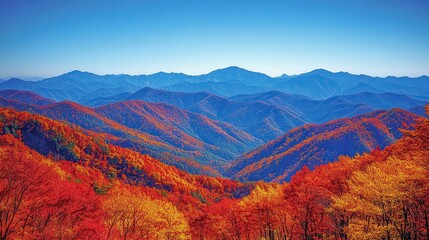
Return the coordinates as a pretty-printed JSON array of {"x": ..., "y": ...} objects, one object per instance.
[
  {"x": 380, "y": 195},
  {"x": 313, "y": 145}
]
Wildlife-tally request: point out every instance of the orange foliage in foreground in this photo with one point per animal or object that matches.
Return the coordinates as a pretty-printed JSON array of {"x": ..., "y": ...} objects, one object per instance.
[
  {"x": 381, "y": 195},
  {"x": 35, "y": 202}
]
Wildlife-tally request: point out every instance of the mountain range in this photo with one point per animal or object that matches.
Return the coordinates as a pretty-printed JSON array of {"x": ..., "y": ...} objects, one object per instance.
[
  {"x": 320, "y": 111},
  {"x": 231, "y": 154},
  {"x": 268, "y": 115},
  {"x": 319, "y": 84},
  {"x": 230, "y": 122},
  {"x": 261, "y": 120}
]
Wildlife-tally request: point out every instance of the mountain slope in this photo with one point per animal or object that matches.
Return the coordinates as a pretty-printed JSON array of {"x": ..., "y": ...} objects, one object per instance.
[
  {"x": 379, "y": 101},
  {"x": 101, "y": 101},
  {"x": 180, "y": 128},
  {"x": 120, "y": 135},
  {"x": 164, "y": 131},
  {"x": 313, "y": 145},
  {"x": 290, "y": 102},
  {"x": 352, "y": 105},
  {"x": 314, "y": 86},
  {"x": 25, "y": 97},
  {"x": 60, "y": 141}
]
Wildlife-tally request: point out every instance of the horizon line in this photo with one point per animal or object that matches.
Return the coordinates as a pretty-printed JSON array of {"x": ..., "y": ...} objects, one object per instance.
[{"x": 39, "y": 78}]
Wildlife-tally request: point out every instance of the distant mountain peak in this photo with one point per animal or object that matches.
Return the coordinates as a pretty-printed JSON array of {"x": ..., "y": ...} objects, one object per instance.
[
  {"x": 234, "y": 68},
  {"x": 231, "y": 69},
  {"x": 15, "y": 80},
  {"x": 235, "y": 74},
  {"x": 320, "y": 71},
  {"x": 78, "y": 73},
  {"x": 162, "y": 73},
  {"x": 284, "y": 75},
  {"x": 146, "y": 90},
  {"x": 274, "y": 92},
  {"x": 68, "y": 103}
]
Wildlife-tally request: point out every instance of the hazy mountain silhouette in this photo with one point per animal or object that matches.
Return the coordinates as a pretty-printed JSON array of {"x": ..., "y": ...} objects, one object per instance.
[{"x": 82, "y": 86}]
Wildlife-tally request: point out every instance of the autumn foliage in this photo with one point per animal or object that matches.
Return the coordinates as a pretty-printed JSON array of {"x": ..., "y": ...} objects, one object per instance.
[
  {"x": 37, "y": 202},
  {"x": 76, "y": 186}
]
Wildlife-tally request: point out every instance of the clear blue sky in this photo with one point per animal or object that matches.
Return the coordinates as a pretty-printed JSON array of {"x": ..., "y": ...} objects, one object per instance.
[{"x": 50, "y": 37}]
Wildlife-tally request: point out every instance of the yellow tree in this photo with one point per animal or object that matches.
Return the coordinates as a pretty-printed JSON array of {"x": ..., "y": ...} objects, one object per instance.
[
  {"x": 128, "y": 214},
  {"x": 170, "y": 221},
  {"x": 135, "y": 215},
  {"x": 263, "y": 211},
  {"x": 382, "y": 197}
]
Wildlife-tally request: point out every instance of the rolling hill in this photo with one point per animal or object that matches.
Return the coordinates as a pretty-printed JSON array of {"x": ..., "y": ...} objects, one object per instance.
[
  {"x": 25, "y": 97},
  {"x": 261, "y": 120}
]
